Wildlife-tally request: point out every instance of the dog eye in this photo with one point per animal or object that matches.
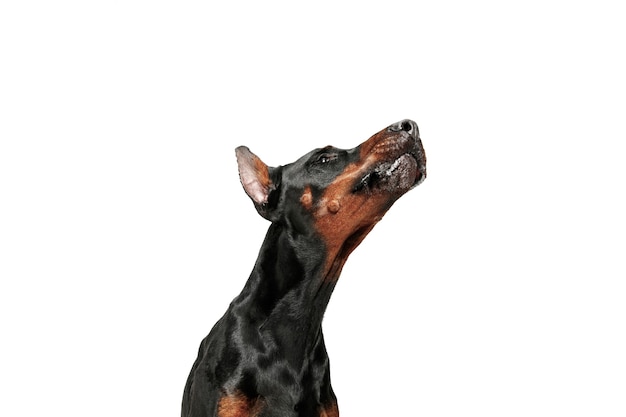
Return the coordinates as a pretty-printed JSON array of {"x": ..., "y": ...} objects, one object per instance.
[{"x": 325, "y": 158}]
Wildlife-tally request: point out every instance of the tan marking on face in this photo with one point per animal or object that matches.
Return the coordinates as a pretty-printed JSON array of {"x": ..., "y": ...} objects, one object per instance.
[
  {"x": 343, "y": 217},
  {"x": 238, "y": 405},
  {"x": 334, "y": 206},
  {"x": 342, "y": 214},
  {"x": 307, "y": 198}
]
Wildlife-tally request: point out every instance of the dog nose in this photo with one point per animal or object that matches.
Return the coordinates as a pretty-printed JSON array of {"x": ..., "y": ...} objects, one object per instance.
[{"x": 407, "y": 125}]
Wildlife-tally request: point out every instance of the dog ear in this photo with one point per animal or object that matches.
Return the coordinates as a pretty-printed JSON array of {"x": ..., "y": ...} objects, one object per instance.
[{"x": 255, "y": 178}]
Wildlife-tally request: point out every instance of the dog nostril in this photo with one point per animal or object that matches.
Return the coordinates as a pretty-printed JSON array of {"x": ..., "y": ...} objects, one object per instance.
[{"x": 406, "y": 125}]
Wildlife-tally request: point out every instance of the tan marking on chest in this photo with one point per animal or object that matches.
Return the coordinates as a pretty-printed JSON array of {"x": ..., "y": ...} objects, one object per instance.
[
  {"x": 238, "y": 405},
  {"x": 330, "y": 411}
]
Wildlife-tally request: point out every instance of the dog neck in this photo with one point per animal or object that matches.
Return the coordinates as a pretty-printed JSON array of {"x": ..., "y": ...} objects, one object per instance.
[{"x": 286, "y": 294}]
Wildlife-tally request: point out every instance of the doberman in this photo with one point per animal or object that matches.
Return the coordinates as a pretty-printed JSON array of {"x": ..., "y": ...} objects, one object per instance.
[{"x": 266, "y": 356}]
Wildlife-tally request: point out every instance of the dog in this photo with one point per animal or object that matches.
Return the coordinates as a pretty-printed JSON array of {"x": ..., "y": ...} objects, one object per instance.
[{"x": 266, "y": 356}]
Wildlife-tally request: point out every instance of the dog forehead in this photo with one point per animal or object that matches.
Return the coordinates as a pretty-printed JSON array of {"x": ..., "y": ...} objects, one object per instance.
[
  {"x": 318, "y": 168},
  {"x": 311, "y": 156}
]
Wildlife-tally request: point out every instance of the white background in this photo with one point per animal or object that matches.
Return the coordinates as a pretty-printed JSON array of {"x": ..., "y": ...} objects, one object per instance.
[{"x": 496, "y": 288}]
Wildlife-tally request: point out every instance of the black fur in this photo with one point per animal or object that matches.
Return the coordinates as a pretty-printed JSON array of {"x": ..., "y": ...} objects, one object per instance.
[{"x": 266, "y": 356}]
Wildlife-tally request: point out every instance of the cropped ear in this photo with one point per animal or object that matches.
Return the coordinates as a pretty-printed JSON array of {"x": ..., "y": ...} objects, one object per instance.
[{"x": 255, "y": 178}]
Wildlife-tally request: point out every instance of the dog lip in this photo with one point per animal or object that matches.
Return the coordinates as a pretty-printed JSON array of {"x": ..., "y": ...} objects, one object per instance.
[
  {"x": 396, "y": 174},
  {"x": 420, "y": 175},
  {"x": 399, "y": 164}
]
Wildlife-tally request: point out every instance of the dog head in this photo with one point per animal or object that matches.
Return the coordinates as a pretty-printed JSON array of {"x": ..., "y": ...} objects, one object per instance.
[{"x": 336, "y": 194}]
